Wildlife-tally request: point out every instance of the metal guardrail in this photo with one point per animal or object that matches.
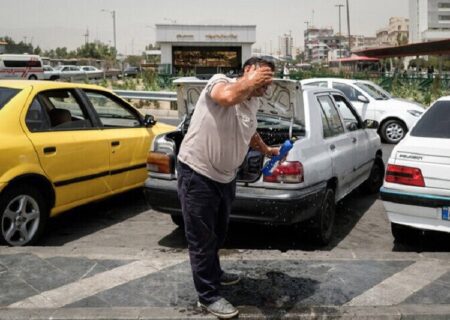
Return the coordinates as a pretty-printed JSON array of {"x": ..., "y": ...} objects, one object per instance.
[{"x": 147, "y": 95}]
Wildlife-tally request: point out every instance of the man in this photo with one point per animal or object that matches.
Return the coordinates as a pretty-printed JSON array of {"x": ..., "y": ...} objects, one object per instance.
[{"x": 222, "y": 128}]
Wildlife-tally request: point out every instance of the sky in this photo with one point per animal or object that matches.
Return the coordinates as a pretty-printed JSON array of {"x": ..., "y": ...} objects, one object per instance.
[{"x": 64, "y": 23}]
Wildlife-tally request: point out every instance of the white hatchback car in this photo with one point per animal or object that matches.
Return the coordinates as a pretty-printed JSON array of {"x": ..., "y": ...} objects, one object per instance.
[
  {"x": 416, "y": 191},
  {"x": 395, "y": 116}
]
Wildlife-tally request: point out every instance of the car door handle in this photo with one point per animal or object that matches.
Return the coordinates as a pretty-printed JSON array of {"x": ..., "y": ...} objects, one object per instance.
[
  {"x": 332, "y": 147},
  {"x": 115, "y": 143},
  {"x": 354, "y": 140},
  {"x": 49, "y": 150}
]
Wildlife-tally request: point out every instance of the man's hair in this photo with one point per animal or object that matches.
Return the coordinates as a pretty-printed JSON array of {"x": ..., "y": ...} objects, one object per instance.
[{"x": 258, "y": 61}]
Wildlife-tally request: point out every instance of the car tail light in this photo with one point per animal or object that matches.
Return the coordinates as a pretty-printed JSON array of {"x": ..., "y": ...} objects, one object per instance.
[
  {"x": 404, "y": 175},
  {"x": 160, "y": 162},
  {"x": 286, "y": 172}
]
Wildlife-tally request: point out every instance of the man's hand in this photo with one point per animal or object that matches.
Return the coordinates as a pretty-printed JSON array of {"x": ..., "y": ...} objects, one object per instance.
[{"x": 257, "y": 77}]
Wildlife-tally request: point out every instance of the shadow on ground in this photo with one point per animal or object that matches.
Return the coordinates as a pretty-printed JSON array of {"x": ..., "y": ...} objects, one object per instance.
[
  {"x": 91, "y": 218},
  {"x": 283, "y": 238}
]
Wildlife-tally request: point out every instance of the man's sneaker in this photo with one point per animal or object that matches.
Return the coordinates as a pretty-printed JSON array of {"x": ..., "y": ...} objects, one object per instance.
[
  {"x": 227, "y": 279},
  {"x": 220, "y": 308}
]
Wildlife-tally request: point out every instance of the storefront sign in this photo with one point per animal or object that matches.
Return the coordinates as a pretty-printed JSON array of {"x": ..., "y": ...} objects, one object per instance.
[
  {"x": 185, "y": 36},
  {"x": 230, "y": 36}
]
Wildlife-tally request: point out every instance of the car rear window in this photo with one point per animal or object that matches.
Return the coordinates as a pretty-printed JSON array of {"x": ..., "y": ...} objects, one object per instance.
[
  {"x": 435, "y": 123},
  {"x": 6, "y": 94}
]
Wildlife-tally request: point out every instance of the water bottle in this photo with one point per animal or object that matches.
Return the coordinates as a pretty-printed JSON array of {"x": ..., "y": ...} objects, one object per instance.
[{"x": 267, "y": 169}]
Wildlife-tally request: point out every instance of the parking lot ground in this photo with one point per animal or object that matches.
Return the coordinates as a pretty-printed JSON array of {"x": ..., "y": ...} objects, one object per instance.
[{"x": 119, "y": 259}]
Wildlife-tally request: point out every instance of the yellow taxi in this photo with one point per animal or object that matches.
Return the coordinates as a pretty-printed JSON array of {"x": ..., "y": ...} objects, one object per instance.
[{"x": 64, "y": 145}]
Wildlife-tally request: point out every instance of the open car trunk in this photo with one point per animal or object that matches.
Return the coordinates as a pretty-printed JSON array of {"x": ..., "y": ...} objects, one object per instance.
[{"x": 280, "y": 117}]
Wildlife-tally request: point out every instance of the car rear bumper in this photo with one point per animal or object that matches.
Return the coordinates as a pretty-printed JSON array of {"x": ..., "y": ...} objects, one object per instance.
[
  {"x": 259, "y": 205},
  {"x": 419, "y": 211}
]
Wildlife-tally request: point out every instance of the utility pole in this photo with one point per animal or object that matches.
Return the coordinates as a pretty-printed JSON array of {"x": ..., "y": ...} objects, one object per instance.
[
  {"x": 86, "y": 37},
  {"x": 113, "y": 14},
  {"x": 339, "y": 6},
  {"x": 348, "y": 28}
]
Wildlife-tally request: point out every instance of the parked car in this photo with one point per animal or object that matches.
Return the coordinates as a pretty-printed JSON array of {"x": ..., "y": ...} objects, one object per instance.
[
  {"x": 334, "y": 152},
  {"x": 50, "y": 73},
  {"x": 131, "y": 71},
  {"x": 395, "y": 116},
  {"x": 416, "y": 191},
  {"x": 64, "y": 145},
  {"x": 92, "y": 72}
]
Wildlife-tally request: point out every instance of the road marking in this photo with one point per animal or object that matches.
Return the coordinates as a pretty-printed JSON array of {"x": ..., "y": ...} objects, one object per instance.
[
  {"x": 75, "y": 291},
  {"x": 401, "y": 285}
]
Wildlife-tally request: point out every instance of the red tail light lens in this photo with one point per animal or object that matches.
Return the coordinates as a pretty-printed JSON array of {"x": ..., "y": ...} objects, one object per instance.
[
  {"x": 404, "y": 175},
  {"x": 160, "y": 162},
  {"x": 286, "y": 172}
]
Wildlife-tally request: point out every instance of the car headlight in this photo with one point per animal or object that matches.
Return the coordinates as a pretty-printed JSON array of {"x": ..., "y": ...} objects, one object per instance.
[{"x": 415, "y": 113}]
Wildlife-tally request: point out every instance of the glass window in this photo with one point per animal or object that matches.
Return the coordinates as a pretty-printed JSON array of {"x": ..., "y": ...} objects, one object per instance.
[
  {"x": 323, "y": 84},
  {"x": 435, "y": 123},
  {"x": 111, "y": 113},
  {"x": 64, "y": 110},
  {"x": 374, "y": 91},
  {"x": 348, "y": 91},
  {"x": 347, "y": 112},
  {"x": 331, "y": 121},
  {"x": 36, "y": 118},
  {"x": 6, "y": 94}
]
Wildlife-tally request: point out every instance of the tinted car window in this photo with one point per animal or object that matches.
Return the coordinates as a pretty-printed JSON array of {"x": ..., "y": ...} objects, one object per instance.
[
  {"x": 275, "y": 130},
  {"x": 330, "y": 117},
  {"x": 435, "y": 123},
  {"x": 348, "y": 113},
  {"x": 36, "y": 118},
  {"x": 112, "y": 113},
  {"x": 6, "y": 94},
  {"x": 350, "y": 92}
]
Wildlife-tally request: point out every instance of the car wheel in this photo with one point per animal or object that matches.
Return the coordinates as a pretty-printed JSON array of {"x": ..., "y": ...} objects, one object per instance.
[
  {"x": 32, "y": 77},
  {"x": 403, "y": 233},
  {"x": 376, "y": 177},
  {"x": 24, "y": 213},
  {"x": 392, "y": 131},
  {"x": 178, "y": 220},
  {"x": 323, "y": 222}
]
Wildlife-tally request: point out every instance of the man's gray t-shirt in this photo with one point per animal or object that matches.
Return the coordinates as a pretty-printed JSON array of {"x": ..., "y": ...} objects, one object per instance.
[{"x": 218, "y": 137}]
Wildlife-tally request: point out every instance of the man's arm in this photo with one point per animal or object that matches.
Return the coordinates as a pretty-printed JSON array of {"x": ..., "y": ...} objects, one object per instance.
[
  {"x": 257, "y": 143},
  {"x": 229, "y": 94}
]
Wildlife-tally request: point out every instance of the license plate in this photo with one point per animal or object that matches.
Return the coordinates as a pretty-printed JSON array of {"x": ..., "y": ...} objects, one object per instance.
[{"x": 444, "y": 213}]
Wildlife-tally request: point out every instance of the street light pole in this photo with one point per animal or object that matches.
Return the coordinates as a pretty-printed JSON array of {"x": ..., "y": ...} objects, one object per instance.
[
  {"x": 113, "y": 14},
  {"x": 339, "y": 6},
  {"x": 348, "y": 28}
]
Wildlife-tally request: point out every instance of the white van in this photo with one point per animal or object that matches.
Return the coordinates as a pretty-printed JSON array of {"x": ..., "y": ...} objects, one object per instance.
[{"x": 21, "y": 66}]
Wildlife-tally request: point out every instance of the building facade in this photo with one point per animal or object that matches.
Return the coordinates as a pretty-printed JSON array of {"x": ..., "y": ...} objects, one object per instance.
[
  {"x": 319, "y": 42},
  {"x": 286, "y": 46},
  {"x": 204, "y": 49},
  {"x": 396, "y": 33},
  {"x": 429, "y": 20}
]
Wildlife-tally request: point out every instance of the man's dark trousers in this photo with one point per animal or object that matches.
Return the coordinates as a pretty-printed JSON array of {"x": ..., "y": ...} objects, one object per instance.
[{"x": 206, "y": 206}]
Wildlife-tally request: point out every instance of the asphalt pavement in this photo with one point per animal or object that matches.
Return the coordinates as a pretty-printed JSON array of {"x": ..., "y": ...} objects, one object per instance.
[{"x": 119, "y": 259}]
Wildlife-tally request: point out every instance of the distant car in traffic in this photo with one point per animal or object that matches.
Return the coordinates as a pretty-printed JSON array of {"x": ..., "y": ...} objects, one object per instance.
[
  {"x": 131, "y": 71},
  {"x": 50, "y": 73},
  {"x": 64, "y": 145},
  {"x": 92, "y": 72},
  {"x": 416, "y": 191},
  {"x": 334, "y": 152},
  {"x": 395, "y": 116}
]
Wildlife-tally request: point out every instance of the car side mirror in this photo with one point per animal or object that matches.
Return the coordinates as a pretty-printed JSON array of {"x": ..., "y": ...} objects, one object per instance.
[
  {"x": 362, "y": 99},
  {"x": 149, "y": 120},
  {"x": 371, "y": 124}
]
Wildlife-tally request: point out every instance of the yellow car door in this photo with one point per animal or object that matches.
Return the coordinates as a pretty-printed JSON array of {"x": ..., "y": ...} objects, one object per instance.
[
  {"x": 129, "y": 140},
  {"x": 72, "y": 150}
]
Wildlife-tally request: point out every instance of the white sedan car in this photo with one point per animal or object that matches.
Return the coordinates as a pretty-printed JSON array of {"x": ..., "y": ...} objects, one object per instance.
[
  {"x": 416, "y": 191},
  {"x": 395, "y": 116}
]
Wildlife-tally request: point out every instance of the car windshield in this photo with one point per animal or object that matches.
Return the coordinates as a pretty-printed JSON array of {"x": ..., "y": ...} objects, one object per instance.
[
  {"x": 6, "y": 94},
  {"x": 373, "y": 90},
  {"x": 435, "y": 123}
]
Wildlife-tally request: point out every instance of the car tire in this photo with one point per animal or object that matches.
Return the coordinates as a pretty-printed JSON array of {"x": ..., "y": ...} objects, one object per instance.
[
  {"x": 375, "y": 181},
  {"x": 392, "y": 131},
  {"x": 22, "y": 206},
  {"x": 178, "y": 220},
  {"x": 403, "y": 233},
  {"x": 323, "y": 222},
  {"x": 32, "y": 77}
]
